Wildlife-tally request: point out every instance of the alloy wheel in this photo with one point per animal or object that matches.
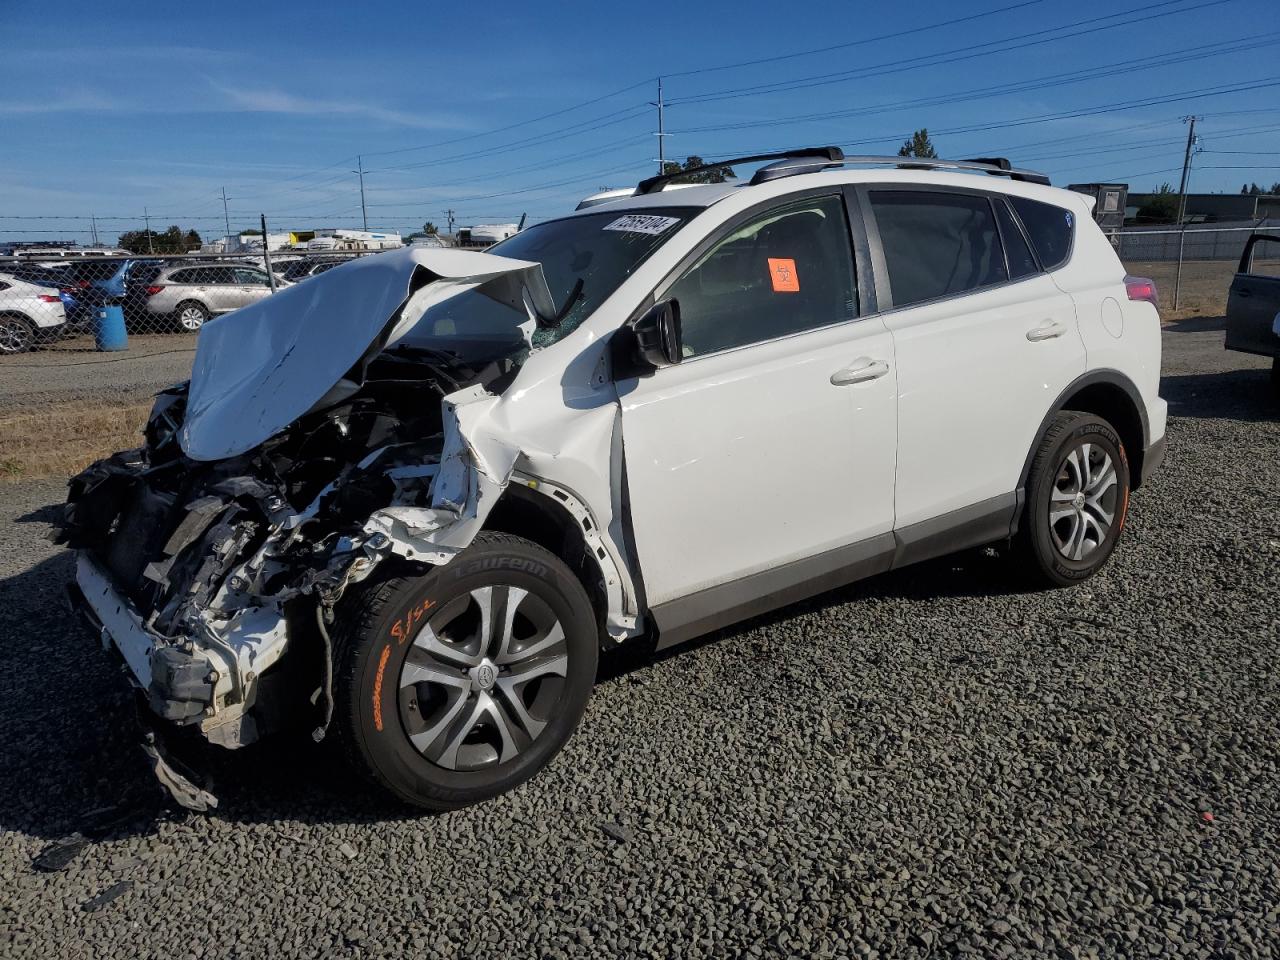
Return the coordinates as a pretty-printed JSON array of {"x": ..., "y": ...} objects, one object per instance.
[
  {"x": 1084, "y": 501},
  {"x": 483, "y": 678},
  {"x": 191, "y": 318},
  {"x": 15, "y": 335}
]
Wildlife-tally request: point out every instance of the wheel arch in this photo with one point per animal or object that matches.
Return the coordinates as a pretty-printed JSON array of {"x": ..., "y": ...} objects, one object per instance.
[
  {"x": 1111, "y": 395},
  {"x": 546, "y": 518}
]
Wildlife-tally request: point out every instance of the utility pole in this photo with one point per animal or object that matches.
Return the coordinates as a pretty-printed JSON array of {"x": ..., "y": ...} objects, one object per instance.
[
  {"x": 662, "y": 130},
  {"x": 266, "y": 254},
  {"x": 449, "y": 216},
  {"x": 226, "y": 217},
  {"x": 1186, "y": 167},
  {"x": 360, "y": 171},
  {"x": 93, "y": 224},
  {"x": 146, "y": 218}
]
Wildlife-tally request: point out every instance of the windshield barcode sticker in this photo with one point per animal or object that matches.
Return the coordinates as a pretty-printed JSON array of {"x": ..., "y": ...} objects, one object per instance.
[{"x": 643, "y": 223}]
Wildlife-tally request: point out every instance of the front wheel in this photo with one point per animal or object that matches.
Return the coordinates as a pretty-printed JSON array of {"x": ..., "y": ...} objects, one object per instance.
[
  {"x": 458, "y": 685},
  {"x": 1077, "y": 498}
]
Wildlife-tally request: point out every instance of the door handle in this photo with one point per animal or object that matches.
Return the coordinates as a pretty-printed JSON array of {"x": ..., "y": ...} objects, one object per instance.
[
  {"x": 1244, "y": 292},
  {"x": 1046, "y": 331},
  {"x": 860, "y": 371}
]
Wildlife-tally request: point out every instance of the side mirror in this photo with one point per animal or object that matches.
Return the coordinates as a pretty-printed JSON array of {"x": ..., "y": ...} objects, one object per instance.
[{"x": 654, "y": 340}]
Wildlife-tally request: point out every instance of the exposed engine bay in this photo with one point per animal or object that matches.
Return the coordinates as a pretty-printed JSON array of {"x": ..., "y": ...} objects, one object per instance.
[
  {"x": 314, "y": 441},
  {"x": 231, "y": 551}
]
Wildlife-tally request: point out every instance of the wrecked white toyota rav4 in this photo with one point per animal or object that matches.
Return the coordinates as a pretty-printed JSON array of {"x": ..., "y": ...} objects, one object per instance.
[{"x": 407, "y": 503}]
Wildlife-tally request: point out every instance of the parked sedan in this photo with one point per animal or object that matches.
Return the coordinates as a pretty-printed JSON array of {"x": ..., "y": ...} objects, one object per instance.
[
  {"x": 189, "y": 295},
  {"x": 1253, "y": 306},
  {"x": 30, "y": 313}
]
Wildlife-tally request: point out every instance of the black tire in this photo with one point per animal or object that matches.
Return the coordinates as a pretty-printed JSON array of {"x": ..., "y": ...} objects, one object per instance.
[
  {"x": 1048, "y": 551},
  {"x": 375, "y": 713},
  {"x": 17, "y": 333},
  {"x": 190, "y": 316},
  {"x": 1275, "y": 378}
]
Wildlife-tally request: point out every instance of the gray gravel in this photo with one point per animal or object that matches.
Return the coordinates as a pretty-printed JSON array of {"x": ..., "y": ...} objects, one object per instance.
[{"x": 924, "y": 764}]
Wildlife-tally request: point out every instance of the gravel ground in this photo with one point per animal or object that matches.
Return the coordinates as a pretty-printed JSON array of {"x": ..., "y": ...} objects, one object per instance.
[{"x": 923, "y": 764}]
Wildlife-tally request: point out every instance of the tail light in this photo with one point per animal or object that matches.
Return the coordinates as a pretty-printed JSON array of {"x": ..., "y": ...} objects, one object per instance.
[
  {"x": 83, "y": 284},
  {"x": 154, "y": 289},
  {"x": 1141, "y": 288},
  {"x": 50, "y": 298}
]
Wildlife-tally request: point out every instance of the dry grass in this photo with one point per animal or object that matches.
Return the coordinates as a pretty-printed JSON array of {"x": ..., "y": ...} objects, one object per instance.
[
  {"x": 1205, "y": 284},
  {"x": 60, "y": 439}
]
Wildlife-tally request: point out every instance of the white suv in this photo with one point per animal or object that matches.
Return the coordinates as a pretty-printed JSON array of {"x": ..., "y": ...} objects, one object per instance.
[{"x": 408, "y": 503}]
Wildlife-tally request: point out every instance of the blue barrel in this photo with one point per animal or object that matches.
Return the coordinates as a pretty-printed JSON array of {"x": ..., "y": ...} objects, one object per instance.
[{"x": 109, "y": 332}]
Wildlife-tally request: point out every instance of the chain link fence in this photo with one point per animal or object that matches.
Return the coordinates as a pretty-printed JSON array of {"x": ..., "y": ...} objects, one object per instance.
[
  {"x": 63, "y": 303},
  {"x": 1192, "y": 266}
]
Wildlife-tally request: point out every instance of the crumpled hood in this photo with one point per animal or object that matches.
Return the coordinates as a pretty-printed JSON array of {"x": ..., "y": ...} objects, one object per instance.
[{"x": 260, "y": 368}]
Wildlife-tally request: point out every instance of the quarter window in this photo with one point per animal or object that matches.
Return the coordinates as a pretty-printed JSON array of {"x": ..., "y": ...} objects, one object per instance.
[
  {"x": 783, "y": 272},
  {"x": 937, "y": 244},
  {"x": 1049, "y": 228}
]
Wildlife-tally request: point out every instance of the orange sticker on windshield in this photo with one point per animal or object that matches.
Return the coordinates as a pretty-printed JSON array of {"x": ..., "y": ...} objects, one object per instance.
[{"x": 784, "y": 276}]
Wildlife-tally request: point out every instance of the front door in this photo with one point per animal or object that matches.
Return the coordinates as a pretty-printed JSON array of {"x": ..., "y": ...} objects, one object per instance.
[{"x": 772, "y": 442}]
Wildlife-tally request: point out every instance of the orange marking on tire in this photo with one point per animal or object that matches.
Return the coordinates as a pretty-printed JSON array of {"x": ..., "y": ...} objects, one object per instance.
[{"x": 377, "y": 687}]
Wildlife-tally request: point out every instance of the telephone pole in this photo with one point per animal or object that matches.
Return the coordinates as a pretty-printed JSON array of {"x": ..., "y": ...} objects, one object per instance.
[
  {"x": 449, "y": 218},
  {"x": 226, "y": 216},
  {"x": 1186, "y": 167},
  {"x": 93, "y": 223},
  {"x": 360, "y": 170},
  {"x": 146, "y": 218},
  {"x": 662, "y": 130}
]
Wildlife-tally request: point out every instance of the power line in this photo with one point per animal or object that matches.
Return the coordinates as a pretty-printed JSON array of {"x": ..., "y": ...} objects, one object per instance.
[
  {"x": 958, "y": 54},
  {"x": 1076, "y": 76}
]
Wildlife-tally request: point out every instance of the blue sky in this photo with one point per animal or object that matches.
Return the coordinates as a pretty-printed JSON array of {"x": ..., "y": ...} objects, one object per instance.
[{"x": 107, "y": 109}]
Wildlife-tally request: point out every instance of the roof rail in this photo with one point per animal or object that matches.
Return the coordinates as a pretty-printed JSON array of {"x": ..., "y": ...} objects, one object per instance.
[
  {"x": 830, "y": 154},
  {"x": 812, "y": 159},
  {"x": 996, "y": 166}
]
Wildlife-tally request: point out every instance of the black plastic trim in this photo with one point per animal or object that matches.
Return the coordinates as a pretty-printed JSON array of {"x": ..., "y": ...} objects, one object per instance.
[
  {"x": 1107, "y": 376},
  {"x": 687, "y": 617},
  {"x": 972, "y": 526}
]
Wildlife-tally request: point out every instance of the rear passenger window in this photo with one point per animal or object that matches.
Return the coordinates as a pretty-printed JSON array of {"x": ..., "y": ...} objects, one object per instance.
[
  {"x": 1017, "y": 253},
  {"x": 182, "y": 276},
  {"x": 784, "y": 272},
  {"x": 1049, "y": 228},
  {"x": 937, "y": 244}
]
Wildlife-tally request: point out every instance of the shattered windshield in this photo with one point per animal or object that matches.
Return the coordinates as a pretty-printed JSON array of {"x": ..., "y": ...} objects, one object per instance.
[{"x": 584, "y": 260}]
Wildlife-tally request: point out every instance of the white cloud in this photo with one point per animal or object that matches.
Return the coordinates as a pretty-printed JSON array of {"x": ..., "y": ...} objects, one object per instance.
[{"x": 278, "y": 101}]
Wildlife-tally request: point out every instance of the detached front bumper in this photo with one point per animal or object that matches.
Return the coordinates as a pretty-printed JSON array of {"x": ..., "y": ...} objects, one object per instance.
[{"x": 187, "y": 680}]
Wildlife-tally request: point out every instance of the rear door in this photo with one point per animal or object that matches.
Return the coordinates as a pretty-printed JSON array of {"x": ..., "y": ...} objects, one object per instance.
[
  {"x": 1253, "y": 307},
  {"x": 985, "y": 343}
]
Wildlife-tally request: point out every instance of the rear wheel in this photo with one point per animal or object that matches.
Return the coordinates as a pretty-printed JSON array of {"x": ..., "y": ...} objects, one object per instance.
[
  {"x": 17, "y": 333},
  {"x": 1077, "y": 498},
  {"x": 462, "y": 683},
  {"x": 190, "y": 316}
]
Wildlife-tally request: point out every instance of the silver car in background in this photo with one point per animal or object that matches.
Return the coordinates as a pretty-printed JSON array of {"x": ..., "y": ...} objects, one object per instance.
[{"x": 192, "y": 293}]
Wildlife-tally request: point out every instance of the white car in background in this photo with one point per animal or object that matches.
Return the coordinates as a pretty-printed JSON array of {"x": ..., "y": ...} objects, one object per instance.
[
  {"x": 407, "y": 504},
  {"x": 30, "y": 314}
]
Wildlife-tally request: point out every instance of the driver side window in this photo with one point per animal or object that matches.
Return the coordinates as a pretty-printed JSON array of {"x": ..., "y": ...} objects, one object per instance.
[{"x": 785, "y": 271}]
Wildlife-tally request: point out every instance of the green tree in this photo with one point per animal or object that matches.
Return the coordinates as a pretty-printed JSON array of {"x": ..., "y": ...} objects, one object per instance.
[
  {"x": 692, "y": 162},
  {"x": 430, "y": 229},
  {"x": 918, "y": 146},
  {"x": 1160, "y": 206},
  {"x": 172, "y": 240}
]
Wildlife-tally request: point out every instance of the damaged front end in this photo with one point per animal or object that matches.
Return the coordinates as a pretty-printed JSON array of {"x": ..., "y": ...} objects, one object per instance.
[{"x": 213, "y": 556}]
